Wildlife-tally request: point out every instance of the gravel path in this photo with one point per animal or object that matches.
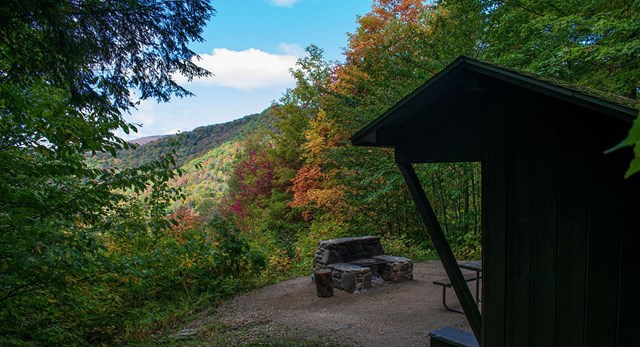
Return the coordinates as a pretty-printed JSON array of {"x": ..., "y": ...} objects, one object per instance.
[{"x": 390, "y": 314}]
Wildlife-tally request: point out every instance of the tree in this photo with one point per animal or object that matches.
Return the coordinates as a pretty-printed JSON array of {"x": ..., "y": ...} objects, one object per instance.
[
  {"x": 69, "y": 69},
  {"x": 252, "y": 177},
  {"x": 90, "y": 55},
  {"x": 595, "y": 44},
  {"x": 632, "y": 140}
]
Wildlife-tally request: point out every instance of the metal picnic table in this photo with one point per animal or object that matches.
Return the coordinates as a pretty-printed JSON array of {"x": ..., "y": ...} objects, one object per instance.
[{"x": 476, "y": 266}]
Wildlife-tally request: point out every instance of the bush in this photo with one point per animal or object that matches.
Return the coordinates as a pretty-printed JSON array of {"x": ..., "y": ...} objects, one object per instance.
[
  {"x": 308, "y": 243},
  {"x": 113, "y": 286},
  {"x": 401, "y": 245}
]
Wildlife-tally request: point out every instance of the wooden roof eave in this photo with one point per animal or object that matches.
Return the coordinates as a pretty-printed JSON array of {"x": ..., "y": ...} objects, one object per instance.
[
  {"x": 367, "y": 136},
  {"x": 358, "y": 139},
  {"x": 550, "y": 89}
]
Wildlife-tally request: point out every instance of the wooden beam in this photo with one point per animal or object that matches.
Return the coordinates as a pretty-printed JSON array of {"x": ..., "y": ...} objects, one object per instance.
[{"x": 442, "y": 247}]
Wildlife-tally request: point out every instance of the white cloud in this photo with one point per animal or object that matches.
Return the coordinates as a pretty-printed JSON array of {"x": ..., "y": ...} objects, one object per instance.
[
  {"x": 291, "y": 49},
  {"x": 283, "y": 3},
  {"x": 248, "y": 69}
]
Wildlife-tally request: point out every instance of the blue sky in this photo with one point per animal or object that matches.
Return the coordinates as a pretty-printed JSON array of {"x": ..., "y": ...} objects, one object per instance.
[{"x": 250, "y": 46}]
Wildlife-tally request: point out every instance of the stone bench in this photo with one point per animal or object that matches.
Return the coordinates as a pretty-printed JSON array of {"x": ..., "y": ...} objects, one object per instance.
[
  {"x": 355, "y": 261},
  {"x": 350, "y": 278}
]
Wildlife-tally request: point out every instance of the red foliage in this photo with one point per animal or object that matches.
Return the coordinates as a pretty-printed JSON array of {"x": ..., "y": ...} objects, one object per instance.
[
  {"x": 307, "y": 179},
  {"x": 313, "y": 189},
  {"x": 255, "y": 179}
]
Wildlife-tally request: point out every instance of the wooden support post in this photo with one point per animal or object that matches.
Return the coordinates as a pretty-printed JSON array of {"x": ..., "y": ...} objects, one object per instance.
[
  {"x": 442, "y": 247},
  {"x": 324, "y": 283}
]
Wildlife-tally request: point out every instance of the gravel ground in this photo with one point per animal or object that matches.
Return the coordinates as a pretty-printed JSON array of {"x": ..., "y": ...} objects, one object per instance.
[{"x": 389, "y": 314}]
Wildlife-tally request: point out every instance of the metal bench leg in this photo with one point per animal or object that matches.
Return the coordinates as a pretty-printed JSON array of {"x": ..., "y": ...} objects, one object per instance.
[{"x": 444, "y": 301}]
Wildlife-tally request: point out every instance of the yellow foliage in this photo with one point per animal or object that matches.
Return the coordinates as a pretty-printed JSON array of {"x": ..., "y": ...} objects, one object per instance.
[
  {"x": 328, "y": 198},
  {"x": 187, "y": 261},
  {"x": 279, "y": 261},
  {"x": 321, "y": 136}
]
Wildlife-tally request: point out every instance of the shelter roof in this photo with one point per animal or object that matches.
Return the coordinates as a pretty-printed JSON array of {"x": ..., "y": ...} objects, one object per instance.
[{"x": 458, "y": 78}]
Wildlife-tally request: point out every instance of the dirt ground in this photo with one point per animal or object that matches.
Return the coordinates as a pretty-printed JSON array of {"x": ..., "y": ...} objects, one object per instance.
[{"x": 389, "y": 314}]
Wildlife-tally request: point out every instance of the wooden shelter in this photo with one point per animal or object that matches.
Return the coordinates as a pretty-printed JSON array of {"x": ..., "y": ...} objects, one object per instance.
[{"x": 561, "y": 225}]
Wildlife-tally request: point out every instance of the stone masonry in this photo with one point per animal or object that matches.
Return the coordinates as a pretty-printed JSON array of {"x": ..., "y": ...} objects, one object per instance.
[
  {"x": 350, "y": 278},
  {"x": 354, "y": 261}
]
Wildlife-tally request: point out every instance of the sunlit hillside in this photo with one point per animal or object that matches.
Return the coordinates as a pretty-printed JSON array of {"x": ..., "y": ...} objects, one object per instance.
[{"x": 188, "y": 145}]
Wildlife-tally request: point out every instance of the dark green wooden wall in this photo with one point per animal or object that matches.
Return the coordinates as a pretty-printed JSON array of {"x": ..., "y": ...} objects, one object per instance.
[{"x": 561, "y": 225}]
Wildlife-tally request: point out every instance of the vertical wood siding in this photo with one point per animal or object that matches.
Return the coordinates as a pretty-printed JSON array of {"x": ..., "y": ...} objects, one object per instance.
[
  {"x": 560, "y": 226},
  {"x": 494, "y": 222}
]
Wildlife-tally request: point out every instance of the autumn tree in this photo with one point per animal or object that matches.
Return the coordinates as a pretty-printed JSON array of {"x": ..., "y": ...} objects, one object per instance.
[
  {"x": 316, "y": 185},
  {"x": 393, "y": 50},
  {"x": 252, "y": 179},
  {"x": 296, "y": 108},
  {"x": 273, "y": 213}
]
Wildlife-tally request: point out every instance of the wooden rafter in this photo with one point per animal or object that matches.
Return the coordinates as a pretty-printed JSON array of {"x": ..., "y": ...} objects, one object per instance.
[{"x": 442, "y": 247}]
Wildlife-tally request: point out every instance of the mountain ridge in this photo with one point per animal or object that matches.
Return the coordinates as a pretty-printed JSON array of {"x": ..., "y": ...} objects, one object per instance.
[
  {"x": 188, "y": 145},
  {"x": 148, "y": 139}
]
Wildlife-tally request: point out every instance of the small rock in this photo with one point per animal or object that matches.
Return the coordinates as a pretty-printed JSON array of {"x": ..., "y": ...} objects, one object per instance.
[{"x": 185, "y": 334}]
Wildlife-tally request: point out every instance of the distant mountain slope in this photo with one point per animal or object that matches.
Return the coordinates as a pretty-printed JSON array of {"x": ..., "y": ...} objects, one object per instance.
[
  {"x": 148, "y": 139},
  {"x": 190, "y": 144},
  {"x": 205, "y": 179}
]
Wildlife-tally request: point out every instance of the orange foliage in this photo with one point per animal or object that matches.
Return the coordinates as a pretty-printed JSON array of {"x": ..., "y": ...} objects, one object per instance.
[
  {"x": 347, "y": 80},
  {"x": 371, "y": 26},
  {"x": 377, "y": 38},
  {"x": 404, "y": 10},
  {"x": 186, "y": 219},
  {"x": 330, "y": 199},
  {"x": 307, "y": 179},
  {"x": 312, "y": 188}
]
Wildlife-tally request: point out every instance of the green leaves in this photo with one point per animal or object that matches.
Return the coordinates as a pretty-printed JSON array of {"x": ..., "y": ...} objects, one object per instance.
[
  {"x": 594, "y": 44},
  {"x": 632, "y": 140},
  {"x": 67, "y": 69}
]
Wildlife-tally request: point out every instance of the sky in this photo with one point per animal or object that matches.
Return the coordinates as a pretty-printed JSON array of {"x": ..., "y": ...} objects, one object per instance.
[{"x": 250, "y": 45}]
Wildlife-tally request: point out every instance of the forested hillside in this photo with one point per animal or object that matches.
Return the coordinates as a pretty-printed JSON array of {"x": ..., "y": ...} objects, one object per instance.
[
  {"x": 125, "y": 245},
  {"x": 188, "y": 145},
  {"x": 205, "y": 157}
]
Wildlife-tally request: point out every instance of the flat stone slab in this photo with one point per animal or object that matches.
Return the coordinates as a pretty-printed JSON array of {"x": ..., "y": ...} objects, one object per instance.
[
  {"x": 347, "y": 267},
  {"x": 368, "y": 262},
  {"x": 391, "y": 259},
  {"x": 345, "y": 240},
  {"x": 346, "y": 249}
]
